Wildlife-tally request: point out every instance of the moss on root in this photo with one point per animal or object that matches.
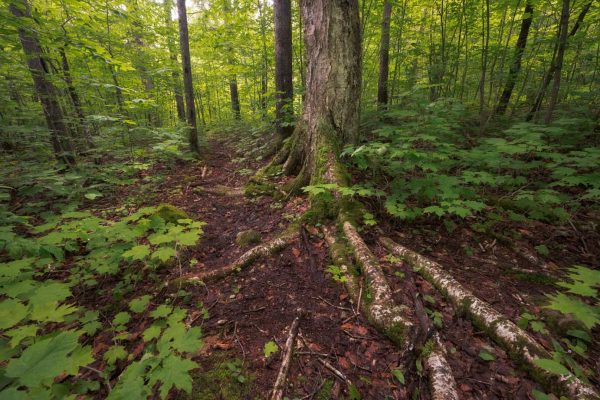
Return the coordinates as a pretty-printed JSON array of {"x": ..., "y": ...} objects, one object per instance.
[{"x": 170, "y": 213}]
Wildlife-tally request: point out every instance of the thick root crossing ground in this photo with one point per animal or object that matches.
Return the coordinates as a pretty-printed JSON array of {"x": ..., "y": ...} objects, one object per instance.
[{"x": 337, "y": 353}]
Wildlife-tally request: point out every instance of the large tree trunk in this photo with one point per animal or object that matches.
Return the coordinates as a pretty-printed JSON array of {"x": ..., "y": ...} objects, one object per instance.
[
  {"x": 551, "y": 71},
  {"x": 283, "y": 69},
  {"x": 515, "y": 67},
  {"x": 384, "y": 56},
  {"x": 180, "y": 105},
  {"x": 558, "y": 62},
  {"x": 188, "y": 87},
  {"x": 45, "y": 90},
  {"x": 330, "y": 117}
]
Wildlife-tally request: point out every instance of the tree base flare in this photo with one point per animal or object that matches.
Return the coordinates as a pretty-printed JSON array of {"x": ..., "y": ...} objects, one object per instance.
[{"x": 518, "y": 343}]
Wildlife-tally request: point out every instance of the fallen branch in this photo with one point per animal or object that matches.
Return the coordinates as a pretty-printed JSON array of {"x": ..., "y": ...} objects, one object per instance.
[
  {"x": 263, "y": 250},
  {"x": 518, "y": 343},
  {"x": 441, "y": 381},
  {"x": 279, "y": 387},
  {"x": 336, "y": 372}
]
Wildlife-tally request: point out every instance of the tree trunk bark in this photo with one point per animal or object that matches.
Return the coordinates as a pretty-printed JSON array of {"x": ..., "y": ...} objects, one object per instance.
[
  {"x": 179, "y": 103},
  {"x": 83, "y": 125},
  {"x": 330, "y": 117},
  {"x": 188, "y": 87},
  {"x": 235, "y": 98},
  {"x": 550, "y": 73},
  {"x": 515, "y": 67},
  {"x": 558, "y": 62},
  {"x": 283, "y": 69},
  {"x": 384, "y": 56},
  {"x": 45, "y": 90}
]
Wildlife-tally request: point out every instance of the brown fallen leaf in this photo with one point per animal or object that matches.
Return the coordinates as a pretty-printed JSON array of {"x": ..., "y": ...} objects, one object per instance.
[
  {"x": 344, "y": 363},
  {"x": 295, "y": 252}
]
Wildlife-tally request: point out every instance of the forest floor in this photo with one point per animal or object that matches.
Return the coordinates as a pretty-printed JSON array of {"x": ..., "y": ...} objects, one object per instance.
[{"x": 242, "y": 314}]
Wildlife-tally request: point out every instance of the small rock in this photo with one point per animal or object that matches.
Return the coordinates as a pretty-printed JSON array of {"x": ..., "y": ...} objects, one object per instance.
[{"x": 245, "y": 238}]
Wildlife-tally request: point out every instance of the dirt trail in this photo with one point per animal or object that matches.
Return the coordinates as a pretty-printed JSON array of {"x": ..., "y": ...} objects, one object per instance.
[{"x": 257, "y": 306}]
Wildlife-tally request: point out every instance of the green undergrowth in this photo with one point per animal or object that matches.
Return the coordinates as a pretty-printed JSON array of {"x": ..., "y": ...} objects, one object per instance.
[
  {"x": 226, "y": 379},
  {"x": 84, "y": 309},
  {"x": 75, "y": 276},
  {"x": 423, "y": 162}
]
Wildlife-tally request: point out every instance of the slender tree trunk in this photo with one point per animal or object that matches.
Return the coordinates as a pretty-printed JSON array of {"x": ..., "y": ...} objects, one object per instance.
[
  {"x": 264, "y": 75},
  {"x": 179, "y": 103},
  {"x": 515, "y": 66},
  {"x": 397, "y": 52},
  {"x": 384, "y": 56},
  {"x": 188, "y": 86},
  {"x": 558, "y": 62},
  {"x": 283, "y": 69},
  {"x": 45, "y": 90},
  {"x": 83, "y": 125},
  {"x": 235, "y": 98},
  {"x": 484, "y": 60},
  {"x": 551, "y": 71},
  {"x": 330, "y": 117},
  {"x": 111, "y": 69}
]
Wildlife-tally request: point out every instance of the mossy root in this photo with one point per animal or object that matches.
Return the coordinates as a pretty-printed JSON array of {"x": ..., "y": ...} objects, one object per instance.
[
  {"x": 518, "y": 343},
  {"x": 246, "y": 259}
]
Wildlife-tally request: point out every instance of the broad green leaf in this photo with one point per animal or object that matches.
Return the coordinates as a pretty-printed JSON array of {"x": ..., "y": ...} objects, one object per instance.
[
  {"x": 139, "y": 305},
  {"x": 486, "y": 355},
  {"x": 44, "y": 360},
  {"x": 174, "y": 372},
  {"x": 137, "y": 252},
  {"x": 551, "y": 366},
  {"x": 270, "y": 348},
  {"x": 399, "y": 375},
  {"x": 115, "y": 353},
  {"x": 162, "y": 311},
  {"x": 11, "y": 313},
  {"x": 164, "y": 253},
  {"x": 18, "y": 334},
  {"x": 588, "y": 315}
]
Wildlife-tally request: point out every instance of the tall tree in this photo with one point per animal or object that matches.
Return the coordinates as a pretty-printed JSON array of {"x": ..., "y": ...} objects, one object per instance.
[
  {"x": 551, "y": 71},
  {"x": 558, "y": 61},
  {"x": 384, "y": 56},
  {"x": 515, "y": 66},
  {"x": 44, "y": 88},
  {"x": 233, "y": 85},
  {"x": 188, "y": 87},
  {"x": 168, "y": 5},
  {"x": 330, "y": 116},
  {"x": 283, "y": 69}
]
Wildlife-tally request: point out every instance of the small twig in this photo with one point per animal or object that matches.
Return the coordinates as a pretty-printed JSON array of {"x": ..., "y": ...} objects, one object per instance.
[
  {"x": 279, "y": 387},
  {"x": 237, "y": 339},
  {"x": 338, "y": 374},
  {"x": 255, "y": 310},
  {"x": 332, "y": 305},
  {"x": 359, "y": 298}
]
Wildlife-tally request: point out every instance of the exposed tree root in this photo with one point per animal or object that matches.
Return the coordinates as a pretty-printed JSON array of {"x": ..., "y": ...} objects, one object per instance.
[
  {"x": 518, "y": 343},
  {"x": 279, "y": 387},
  {"x": 383, "y": 313},
  {"x": 220, "y": 190},
  {"x": 441, "y": 381},
  {"x": 262, "y": 250},
  {"x": 443, "y": 386}
]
